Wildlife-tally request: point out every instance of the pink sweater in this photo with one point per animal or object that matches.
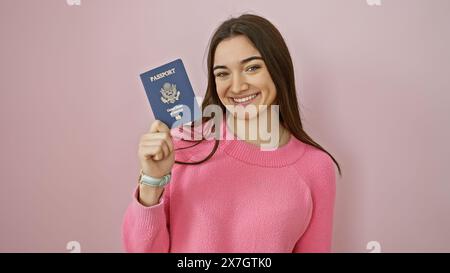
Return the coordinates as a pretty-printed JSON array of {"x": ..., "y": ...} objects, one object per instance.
[{"x": 242, "y": 199}]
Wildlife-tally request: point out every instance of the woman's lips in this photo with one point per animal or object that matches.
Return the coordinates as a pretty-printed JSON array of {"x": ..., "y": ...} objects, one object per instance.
[{"x": 244, "y": 103}]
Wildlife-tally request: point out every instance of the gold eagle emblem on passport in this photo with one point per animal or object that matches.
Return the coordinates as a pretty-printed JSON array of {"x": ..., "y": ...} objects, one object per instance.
[{"x": 169, "y": 93}]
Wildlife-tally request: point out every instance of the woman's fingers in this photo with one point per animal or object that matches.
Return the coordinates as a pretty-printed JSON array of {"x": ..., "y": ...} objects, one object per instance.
[{"x": 159, "y": 148}]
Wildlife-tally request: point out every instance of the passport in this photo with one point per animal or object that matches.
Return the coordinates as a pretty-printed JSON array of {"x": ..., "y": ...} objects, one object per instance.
[{"x": 170, "y": 94}]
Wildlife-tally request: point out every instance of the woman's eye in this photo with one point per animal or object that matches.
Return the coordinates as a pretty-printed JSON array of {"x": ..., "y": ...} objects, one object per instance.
[
  {"x": 253, "y": 68},
  {"x": 221, "y": 74}
]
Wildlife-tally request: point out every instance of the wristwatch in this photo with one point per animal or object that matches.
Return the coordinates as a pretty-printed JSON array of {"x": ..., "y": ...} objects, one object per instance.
[{"x": 154, "y": 182}]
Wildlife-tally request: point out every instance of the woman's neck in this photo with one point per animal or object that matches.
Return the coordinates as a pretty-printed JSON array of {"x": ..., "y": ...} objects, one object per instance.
[{"x": 254, "y": 131}]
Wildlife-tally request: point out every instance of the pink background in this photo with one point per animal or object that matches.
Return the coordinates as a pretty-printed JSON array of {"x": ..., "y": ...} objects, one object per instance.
[{"x": 373, "y": 84}]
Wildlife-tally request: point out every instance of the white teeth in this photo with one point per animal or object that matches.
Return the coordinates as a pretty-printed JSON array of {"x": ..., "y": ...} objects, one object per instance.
[{"x": 245, "y": 99}]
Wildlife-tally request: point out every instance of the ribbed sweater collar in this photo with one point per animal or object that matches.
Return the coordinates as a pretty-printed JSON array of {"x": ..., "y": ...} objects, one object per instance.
[{"x": 254, "y": 155}]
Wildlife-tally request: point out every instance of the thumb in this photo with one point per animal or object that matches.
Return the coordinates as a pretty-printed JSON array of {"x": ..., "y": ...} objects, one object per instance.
[{"x": 159, "y": 126}]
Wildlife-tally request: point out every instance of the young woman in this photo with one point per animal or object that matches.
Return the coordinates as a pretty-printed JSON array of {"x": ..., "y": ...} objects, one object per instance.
[{"x": 230, "y": 195}]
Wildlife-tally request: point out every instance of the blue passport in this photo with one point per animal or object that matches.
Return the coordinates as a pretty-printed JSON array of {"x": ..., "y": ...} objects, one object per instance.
[{"x": 170, "y": 94}]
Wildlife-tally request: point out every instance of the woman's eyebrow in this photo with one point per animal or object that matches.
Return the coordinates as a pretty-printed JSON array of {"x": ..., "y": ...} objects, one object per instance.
[
  {"x": 246, "y": 60},
  {"x": 251, "y": 59}
]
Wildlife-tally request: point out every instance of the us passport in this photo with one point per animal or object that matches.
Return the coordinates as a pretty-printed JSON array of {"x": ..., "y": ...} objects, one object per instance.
[{"x": 170, "y": 94}]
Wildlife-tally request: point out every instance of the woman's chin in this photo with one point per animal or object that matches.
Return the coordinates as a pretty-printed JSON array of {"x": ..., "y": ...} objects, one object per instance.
[{"x": 249, "y": 112}]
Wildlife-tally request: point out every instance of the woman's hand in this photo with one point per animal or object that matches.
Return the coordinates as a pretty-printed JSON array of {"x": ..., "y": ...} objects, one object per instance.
[{"x": 157, "y": 157}]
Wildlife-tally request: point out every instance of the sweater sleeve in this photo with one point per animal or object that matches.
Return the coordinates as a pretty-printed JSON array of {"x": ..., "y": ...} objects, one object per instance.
[
  {"x": 146, "y": 229},
  {"x": 318, "y": 235}
]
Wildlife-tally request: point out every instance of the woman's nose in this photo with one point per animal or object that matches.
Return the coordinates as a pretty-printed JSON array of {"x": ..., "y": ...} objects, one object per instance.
[{"x": 238, "y": 84}]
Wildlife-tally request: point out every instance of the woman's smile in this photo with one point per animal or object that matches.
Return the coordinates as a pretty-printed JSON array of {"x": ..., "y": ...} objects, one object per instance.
[{"x": 245, "y": 100}]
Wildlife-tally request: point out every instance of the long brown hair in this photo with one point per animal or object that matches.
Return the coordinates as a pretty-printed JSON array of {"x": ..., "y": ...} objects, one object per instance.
[{"x": 273, "y": 49}]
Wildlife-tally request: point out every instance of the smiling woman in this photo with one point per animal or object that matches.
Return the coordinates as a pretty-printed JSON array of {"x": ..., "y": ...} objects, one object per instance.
[
  {"x": 265, "y": 68},
  {"x": 236, "y": 198},
  {"x": 241, "y": 79},
  {"x": 245, "y": 78}
]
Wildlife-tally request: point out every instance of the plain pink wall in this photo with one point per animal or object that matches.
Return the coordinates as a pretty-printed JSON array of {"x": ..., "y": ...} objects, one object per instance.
[{"x": 373, "y": 85}]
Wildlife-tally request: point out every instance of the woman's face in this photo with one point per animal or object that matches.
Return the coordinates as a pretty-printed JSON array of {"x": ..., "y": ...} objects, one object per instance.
[{"x": 241, "y": 76}]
